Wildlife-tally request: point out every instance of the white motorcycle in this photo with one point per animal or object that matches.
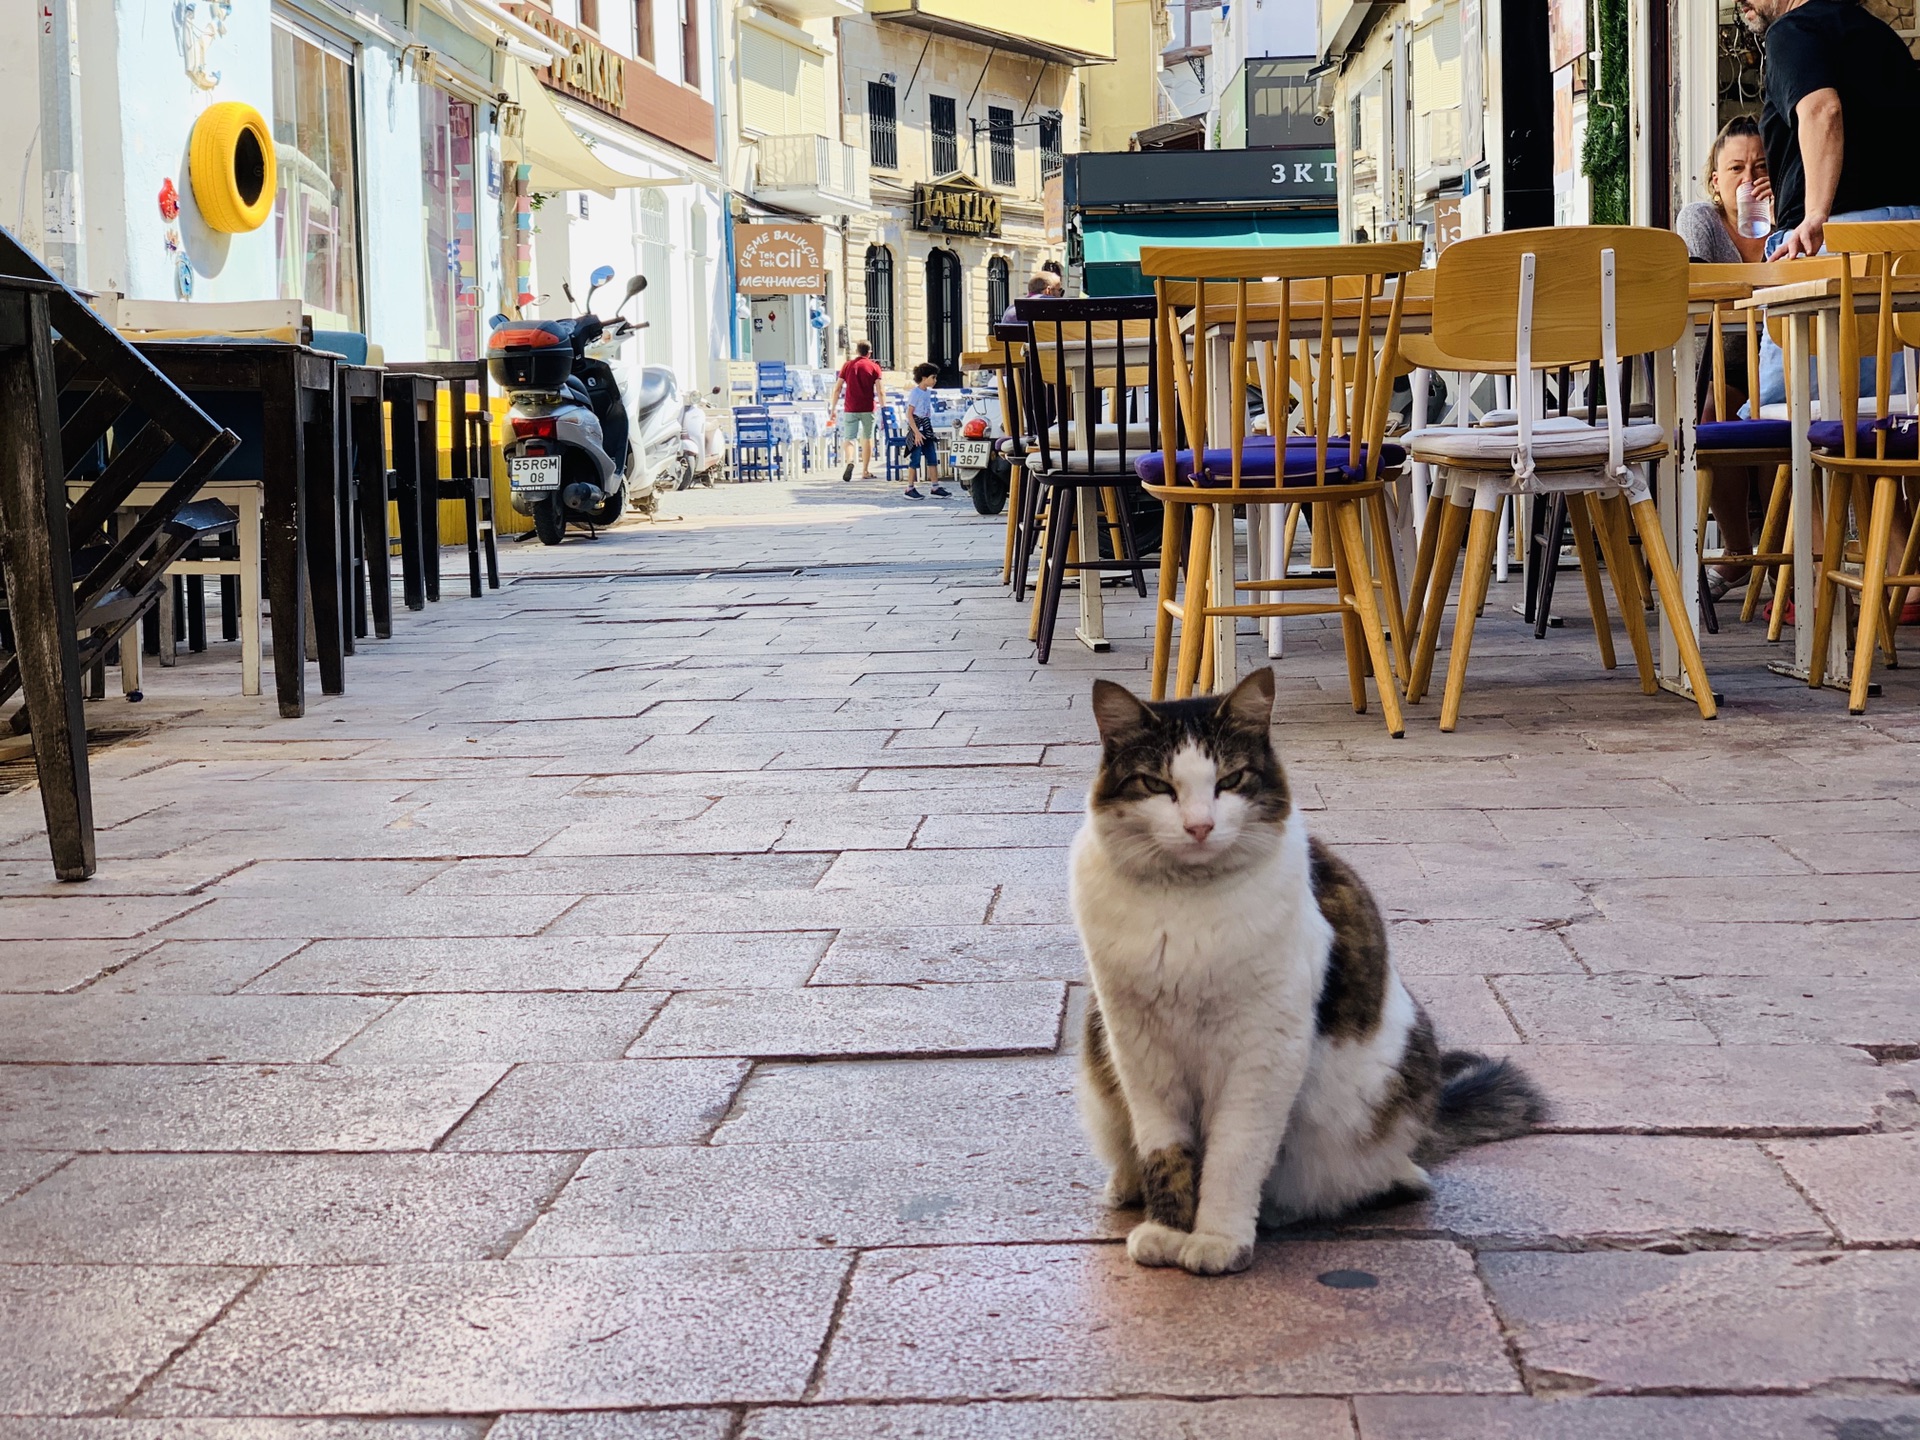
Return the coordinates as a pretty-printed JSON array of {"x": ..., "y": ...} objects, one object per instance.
[{"x": 703, "y": 444}]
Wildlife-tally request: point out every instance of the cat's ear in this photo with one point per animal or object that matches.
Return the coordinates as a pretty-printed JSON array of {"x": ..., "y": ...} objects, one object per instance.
[
  {"x": 1250, "y": 705},
  {"x": 1117, "y": 711}
]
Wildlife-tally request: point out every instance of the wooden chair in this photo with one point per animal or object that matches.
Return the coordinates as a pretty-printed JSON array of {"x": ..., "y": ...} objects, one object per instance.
[
  {"x": 1868, "y": 486},
  {"x": 1729, "y": 442},
  {"x": 1337, "y": 480},
  {"x": 1008, "y": 359},
  {"x": 1077, "y": 355},
  {"x": 1533, "y": 301}
]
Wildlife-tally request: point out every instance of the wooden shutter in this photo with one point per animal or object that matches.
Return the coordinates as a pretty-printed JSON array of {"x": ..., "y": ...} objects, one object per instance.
[{"x": 763, "y": 81}]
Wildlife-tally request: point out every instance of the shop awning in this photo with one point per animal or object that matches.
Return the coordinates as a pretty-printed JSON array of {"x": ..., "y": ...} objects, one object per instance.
[
  {"x": 1116, "y": 239},
  {"x": 561, "y": 160}
]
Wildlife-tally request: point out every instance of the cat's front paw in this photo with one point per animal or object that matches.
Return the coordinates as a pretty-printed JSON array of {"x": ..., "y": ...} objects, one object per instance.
[
  {"x": 1123, "y": 1189},
  {"x": 1203, "y": 1253},
  {"x": 1151, "y": 1243}
]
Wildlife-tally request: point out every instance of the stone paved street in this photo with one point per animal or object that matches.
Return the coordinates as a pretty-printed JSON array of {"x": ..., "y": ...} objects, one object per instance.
[{"x": 644, "y": 1007}]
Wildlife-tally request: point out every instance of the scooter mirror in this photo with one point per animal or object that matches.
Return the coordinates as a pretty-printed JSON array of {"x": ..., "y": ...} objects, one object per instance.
[
  {"x": 600, "y": 276},
  {"x": 635, "y": 285}
]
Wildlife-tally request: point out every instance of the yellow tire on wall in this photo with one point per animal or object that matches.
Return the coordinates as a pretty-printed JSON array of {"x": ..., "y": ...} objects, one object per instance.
[{"x": 231, "y": 163}]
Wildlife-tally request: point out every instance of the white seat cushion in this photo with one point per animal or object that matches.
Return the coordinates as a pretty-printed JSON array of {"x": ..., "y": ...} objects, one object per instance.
[{"x": 1559, "y": 442}]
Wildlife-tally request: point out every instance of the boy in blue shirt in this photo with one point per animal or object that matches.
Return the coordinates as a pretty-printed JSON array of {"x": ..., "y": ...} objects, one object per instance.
[{"x": 920, "y": 432}]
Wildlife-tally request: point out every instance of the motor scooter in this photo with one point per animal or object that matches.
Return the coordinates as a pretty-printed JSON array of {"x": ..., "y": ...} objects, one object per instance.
[
  {"x": 703, "y": 444},
  {"x": 574, "y": 402},
  {"x": 985, "y": 472}
]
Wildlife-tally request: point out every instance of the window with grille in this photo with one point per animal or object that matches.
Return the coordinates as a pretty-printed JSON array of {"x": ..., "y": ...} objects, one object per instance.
[
  {"x": 999, "y": 288},
  {"x": 1051, "y": 162},
  {"x": 945, "y": 131},
  {"x": 883, "y": 144},
  {"x": 880, "y": 301},
  {"x": 1000, "y": 136}
]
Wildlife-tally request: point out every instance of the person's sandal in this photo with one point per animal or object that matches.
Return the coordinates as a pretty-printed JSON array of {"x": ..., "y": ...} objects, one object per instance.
[
  {"x": 1721, "y": 586},
  {"x": 847, "y": 474}
]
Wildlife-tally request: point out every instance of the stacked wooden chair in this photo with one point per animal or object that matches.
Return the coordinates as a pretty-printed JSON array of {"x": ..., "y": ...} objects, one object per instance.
[
  {"x": 71, "y": 593},
  {"x": 1205, "y": 466},
  {"x": 1871, "y": 488}
]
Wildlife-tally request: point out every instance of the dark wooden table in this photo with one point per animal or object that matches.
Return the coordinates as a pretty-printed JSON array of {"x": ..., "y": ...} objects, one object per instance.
[
  {"x": 363, "y": 426},
  {"x": 469, "y": 477},
  {"x": 412, "y": 398},
  {"x": 303, "y": 517}
]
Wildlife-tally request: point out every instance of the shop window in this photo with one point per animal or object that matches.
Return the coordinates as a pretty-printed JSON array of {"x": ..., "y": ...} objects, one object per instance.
[
  {"x": 880, "y": 303},
  {"x": 945, "y": 132},
  {"x": 883, "y": 143},
  {"x": 447, "y": 195},
  {"x": 656, "y": 261},
  {"x": 1000, "y": 134},
  {"x": 1051, "y": 160},
  {"x": 316, "y": 214},
  {"x": 643, "y": 29},
  {"x": 999, "y": 288}
]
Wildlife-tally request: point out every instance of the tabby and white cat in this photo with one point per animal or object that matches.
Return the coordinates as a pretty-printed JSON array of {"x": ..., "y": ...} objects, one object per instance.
[{"x": 1250, "y": 1055}]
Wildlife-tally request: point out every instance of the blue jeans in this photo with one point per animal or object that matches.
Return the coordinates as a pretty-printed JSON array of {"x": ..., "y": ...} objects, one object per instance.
[
  {"x": 925, "y": 452},
  {"x": 1773, "y": 361}
]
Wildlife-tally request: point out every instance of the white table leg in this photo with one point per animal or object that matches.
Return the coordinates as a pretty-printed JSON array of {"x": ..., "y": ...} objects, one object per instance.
[
  {"x": 1275, "y": 520},
  {"x": 1679, "y": 505},
  {"x": 1092, "y": 631},
  {"x": 1839, "y": 671},
  {"x": 1226, "y": 671}
]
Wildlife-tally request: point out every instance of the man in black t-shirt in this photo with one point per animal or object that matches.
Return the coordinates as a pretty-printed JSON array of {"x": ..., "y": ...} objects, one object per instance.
[{"x": 1841, "y": 112}]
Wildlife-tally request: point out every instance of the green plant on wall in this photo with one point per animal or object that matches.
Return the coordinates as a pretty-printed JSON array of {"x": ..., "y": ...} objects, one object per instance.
[{"x": 1604, "y": 157}]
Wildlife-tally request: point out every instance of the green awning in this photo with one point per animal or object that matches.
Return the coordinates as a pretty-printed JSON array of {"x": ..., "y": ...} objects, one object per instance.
[{"x": 1116, "y": 240}]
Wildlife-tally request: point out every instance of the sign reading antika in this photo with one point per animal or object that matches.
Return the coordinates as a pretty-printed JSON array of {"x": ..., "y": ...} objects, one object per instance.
[{"x": 958, "y": 205}]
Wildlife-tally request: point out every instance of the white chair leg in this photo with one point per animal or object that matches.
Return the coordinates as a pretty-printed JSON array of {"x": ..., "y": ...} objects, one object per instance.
[{"x": 1501, "y": 550}]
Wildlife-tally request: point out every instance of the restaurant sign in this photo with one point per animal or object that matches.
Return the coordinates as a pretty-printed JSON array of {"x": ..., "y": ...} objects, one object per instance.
[
  {"x": 590, "y": 70},
  {"x": 958, "y": 205},
  {"x": 780, "y": 259}
]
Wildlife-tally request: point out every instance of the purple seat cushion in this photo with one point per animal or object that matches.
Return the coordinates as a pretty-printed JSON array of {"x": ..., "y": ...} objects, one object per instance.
[
  {"x": 1903, "y": 436},
  {"x": 1744, "y": 435},
  {"x": 1256, "y": 463}
]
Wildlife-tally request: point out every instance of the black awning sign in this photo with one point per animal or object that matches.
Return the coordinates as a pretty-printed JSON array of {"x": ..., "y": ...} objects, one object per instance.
[{"x": 959, "y": 205}]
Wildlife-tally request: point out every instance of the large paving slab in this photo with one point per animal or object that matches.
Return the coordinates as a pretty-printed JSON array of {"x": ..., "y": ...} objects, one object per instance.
[
  {"x": 183, "y": 1029},
  {"x": 279, "y": 1209},
  {"x": 600, "y": 1104},
  {"x": 1039, "y": 1320},
  {"x": 1726, "y": 1320},
  {"x": 1058, "y": 1420},
  {"x": 511, "y": 1335},
  {"x": 1867, "y": 1186},
  {"x": 859, "y": 1020},
  {"x": 1720, "y": 1417},
  {"x": 81, "y": 1338}
]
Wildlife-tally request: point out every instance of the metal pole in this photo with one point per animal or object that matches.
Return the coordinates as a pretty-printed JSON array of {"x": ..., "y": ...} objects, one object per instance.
[{"x": 62, "y": 236}]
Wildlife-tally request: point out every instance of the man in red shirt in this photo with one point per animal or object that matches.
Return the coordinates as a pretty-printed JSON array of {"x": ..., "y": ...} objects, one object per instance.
[{"x": 859, "y": 384}]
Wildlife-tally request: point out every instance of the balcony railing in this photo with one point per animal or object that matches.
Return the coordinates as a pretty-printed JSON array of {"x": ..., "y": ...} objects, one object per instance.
[{"x": 812, "y": 172}]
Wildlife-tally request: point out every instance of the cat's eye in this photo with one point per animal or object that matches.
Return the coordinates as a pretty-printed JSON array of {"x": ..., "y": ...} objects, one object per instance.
[
  {"x": 1152, "y": 784},
  {"x": 1233, "y": 781}
]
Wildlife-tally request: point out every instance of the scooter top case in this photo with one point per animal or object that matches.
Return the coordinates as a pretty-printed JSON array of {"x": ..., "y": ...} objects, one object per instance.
[{"x": 531, "y": 354}]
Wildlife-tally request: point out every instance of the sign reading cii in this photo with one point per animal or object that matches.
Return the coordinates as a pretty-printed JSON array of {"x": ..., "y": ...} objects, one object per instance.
[
  {"x": 959, "y": 206},
  {"x": 780, "y": 259}
]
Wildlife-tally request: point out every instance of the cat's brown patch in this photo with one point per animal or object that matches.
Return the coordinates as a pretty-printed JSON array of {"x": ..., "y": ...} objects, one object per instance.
[
  {"x": 1354, "y": 990},
  {"x": 1416, "y": 1083},
  {"x": 1170, "y": 1179},
  {"x": 1099, "y": 1056}
]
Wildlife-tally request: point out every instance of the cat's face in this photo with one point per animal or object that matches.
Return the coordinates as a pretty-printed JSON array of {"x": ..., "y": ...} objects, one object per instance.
[{"x": 1188, "y": 788}]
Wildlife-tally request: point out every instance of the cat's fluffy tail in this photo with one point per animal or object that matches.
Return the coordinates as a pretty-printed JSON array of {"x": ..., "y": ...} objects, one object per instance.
[{"x": 1481, "y": 1099}]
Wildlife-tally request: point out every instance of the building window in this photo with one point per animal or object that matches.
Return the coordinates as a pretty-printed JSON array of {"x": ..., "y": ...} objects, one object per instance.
[
  {"x": 1051, "y": 162},
  {"x": 883, "y": 144},
  {"x": 316, "y": 217},
  {"x": 656, "y": 261},
  {"x": 999, "y": 289},
  {"x": 689, "y": 44},
  {"x": 590, "y": 15},
  {"x": 880, "y": 300},
  {"x": 643, "y": 29},
  {"x": 447, "y": 195},
  {"x": 1000, "y": 136},
  {"x": 945, "y": 132}
]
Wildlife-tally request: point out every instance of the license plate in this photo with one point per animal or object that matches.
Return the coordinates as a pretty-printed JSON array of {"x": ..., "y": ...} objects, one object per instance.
[
  {"x": 973, "y": 454},
  {"x": 533, "y": 472}
]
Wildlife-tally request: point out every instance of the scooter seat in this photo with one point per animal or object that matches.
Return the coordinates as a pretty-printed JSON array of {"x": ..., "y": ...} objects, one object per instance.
[{"x": 656, "y": 388}]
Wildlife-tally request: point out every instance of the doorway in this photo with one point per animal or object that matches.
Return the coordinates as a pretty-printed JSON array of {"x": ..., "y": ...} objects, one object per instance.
[{"x": 946, "y": 316}]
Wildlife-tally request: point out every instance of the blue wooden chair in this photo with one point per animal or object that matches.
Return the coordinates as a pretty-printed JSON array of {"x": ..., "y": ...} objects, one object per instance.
[
  {"x": 893, "y": 426},
  {"x": 756, "y": 444}
]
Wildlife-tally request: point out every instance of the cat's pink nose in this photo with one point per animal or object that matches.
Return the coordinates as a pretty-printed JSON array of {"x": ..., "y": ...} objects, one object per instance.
[{"x": 1199, "y": 830}]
